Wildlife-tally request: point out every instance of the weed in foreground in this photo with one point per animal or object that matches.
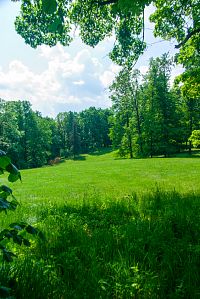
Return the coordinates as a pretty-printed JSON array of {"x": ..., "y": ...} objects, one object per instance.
[{"x": 136, "y": 247}]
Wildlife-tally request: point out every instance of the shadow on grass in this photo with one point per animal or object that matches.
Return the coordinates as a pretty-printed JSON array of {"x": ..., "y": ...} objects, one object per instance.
[
  {"x": 79, "y": 158},
  {"x": 194, "y": 154},
  {"x": 101, "y": 152},
  {"x": 138, "y": 247}
]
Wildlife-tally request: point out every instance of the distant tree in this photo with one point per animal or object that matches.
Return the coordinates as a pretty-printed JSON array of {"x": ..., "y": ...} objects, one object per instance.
[
  {"x": 94, "y": 128},
  {"x": 180, "y": 20},
  {"x": 55, "y": 145},
  {"x": 195, "y": 138},
  {"x": 147, "y": 111},
  {"x": 69, "y": 134},
  {"x": 39, "y": 139},
  {"x": 74, "y": 135},
  {"x": 9, "y": 130},
  {"x": 125, "y": 97},
  {"x": 191, "y": 111},
  {"x": 160, "y": 119},
  {"x": 62, "y": 120},
  {"x": 189, "y": 82},
  {"x": 26, "y": 135}
]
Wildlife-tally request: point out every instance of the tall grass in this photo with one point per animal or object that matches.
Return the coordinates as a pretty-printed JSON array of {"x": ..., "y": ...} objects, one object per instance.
[
  {"x": 137, "y": 247},
  {"x": 109, "y": 231}
]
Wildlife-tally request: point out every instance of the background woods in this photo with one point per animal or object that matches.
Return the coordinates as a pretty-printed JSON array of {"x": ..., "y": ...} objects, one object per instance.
[{"x": 148, "y": 117}]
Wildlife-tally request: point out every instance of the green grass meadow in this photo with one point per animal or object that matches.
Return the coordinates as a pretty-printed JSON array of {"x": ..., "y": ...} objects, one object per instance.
[{"x": 114, "y": 228}]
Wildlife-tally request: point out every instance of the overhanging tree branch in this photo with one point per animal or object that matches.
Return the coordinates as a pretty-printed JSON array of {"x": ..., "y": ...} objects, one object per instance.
[
  {"x": 106, "y": 2},
  {"x": 188, "y": 36}
]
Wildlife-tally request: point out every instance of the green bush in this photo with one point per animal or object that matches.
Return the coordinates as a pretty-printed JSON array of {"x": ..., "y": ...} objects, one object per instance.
[{"x": 195, "y": 138}]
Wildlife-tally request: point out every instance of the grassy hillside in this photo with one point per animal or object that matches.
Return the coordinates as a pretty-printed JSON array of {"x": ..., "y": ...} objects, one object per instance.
[
  {"x": 114, "y": 228},
  {"x": 108, "y": 175}
]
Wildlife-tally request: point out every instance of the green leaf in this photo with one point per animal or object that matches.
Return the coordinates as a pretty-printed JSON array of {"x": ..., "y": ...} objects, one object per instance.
[
  {"x": 8, "y": 235},
  {"x": 12, "y": 169},
  {"x": 14, "y": 173},
  {"x": 4, "y": 160},
  {"x": 56, "y": 26},
  {"x": 13, "y": 178},
  {"x": 5, "y": 233},
  {"x": 49, "y": 6},
  {"x": 31, "y": 230},
  {"x": 17, "y": 227},
  {"x": 13, "y": 204},
  {"x": 2, "y": 153},
  {"x": 4, "y": 292},
  {"x": 5, "y": 192},
  {"x": 26, "y": 242},
  {"x": 3, "y": 195},
  {"x": 2, "y": 247},
  {"x": 4, "y": 204},
  {"x": 7, "y": 255},
  {"x": 17, "y": 239},
  {"x": 6, "y": 189}
]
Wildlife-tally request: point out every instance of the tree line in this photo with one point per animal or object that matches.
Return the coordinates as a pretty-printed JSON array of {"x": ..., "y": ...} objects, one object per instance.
[
  {"x": 32, "y": 140},
  {"x": 150, "y": 117},
  {"x": 147, "y": 118}
]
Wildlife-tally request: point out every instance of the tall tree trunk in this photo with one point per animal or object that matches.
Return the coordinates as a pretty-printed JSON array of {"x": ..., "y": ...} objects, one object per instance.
[
  {"x": 129, "y": 137},
  {"x": 190, "y": 128},
  {"x": 151, "y": 145},
  {"x": 139, "y": 130}
]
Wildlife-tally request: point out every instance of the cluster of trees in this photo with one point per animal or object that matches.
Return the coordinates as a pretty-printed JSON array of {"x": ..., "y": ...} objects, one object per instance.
[
  {"x": 147, "y": 118},
  {"x": 150, "y": 118},
  {"x": 31, "y": 140},
  {"x": 50, "y": 21}
]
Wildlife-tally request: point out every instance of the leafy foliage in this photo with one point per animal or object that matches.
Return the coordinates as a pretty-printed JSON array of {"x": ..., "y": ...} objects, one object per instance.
[
  {"x": 176, "y": 19},
  {"x": 16, "y": 230},
  {"x": 49, "y": 22},
  {"x": 147, "y": 120},
  {"x": 195, "y": 138},
  {"x": 68, "y": 135},
  {"x": 180, "y": 20},
  {"x": 14, "y": 174}
]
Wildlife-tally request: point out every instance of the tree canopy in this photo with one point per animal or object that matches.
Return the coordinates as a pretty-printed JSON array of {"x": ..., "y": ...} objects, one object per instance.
[{"x": 51, "y": 21}]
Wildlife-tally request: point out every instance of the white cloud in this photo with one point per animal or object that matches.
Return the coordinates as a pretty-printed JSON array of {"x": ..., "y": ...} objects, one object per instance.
[
  {"x": 109, "y": 75},
  {"x": 143, "y": 69},
  {"x": 107, "y": 78},
  {"x": 63, "y": 78},
  {"x": 52, "y": 53},
  {"x": 70, "y": 82},
  {"x": 175, "y": 72},
  {"x": 80, "y": 82}
]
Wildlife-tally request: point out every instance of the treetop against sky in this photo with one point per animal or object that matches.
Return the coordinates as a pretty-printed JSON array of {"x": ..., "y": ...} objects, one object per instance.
[{"x": 75, "y": 77}]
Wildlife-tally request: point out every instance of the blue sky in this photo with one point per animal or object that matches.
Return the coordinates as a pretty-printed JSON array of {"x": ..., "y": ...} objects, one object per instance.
[{"x": 62, "y": 78}]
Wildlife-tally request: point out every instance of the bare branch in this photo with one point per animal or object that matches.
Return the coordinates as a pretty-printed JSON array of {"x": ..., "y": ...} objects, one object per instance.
[
  {"x": 143, "y": 25},
  {"x": 106, "y": 2},
  {"x": 188, "y": 36}
]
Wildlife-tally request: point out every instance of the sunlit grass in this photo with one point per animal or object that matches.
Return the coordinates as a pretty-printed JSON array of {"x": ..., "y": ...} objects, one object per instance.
[
  {"x": 114, "y": 228},
  {"x": 109, "y": 176}
]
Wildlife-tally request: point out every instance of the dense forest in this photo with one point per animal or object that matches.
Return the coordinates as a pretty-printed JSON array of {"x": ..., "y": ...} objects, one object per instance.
[
  {"x": 148, "y": 117},
  {"x": 32, "y": 140}
]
